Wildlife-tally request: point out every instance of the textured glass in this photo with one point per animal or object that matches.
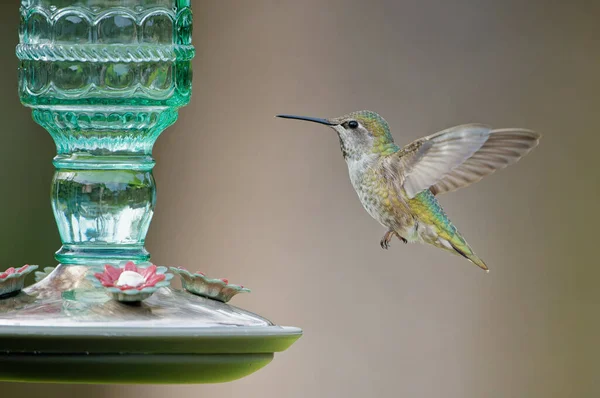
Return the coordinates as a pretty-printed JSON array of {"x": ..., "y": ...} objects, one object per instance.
[{"x": 105, "y": 78}]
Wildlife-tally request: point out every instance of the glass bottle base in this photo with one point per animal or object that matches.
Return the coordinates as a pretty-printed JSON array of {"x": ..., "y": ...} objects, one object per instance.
[{"x": 100, "y": 254}]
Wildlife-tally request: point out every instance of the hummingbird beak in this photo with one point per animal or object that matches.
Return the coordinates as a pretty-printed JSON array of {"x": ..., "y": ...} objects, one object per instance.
[{"x": 308, "y": 119}]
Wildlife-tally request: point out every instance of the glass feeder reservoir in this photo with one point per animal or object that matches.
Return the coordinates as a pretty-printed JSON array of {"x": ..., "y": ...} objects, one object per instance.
[{"x": 105, "y": 78}]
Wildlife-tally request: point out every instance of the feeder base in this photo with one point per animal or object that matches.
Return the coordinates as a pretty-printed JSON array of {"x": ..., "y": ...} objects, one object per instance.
[{"x": 63, "y": 330}]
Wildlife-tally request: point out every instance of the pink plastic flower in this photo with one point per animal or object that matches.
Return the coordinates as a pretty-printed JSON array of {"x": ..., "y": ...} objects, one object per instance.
[
  {"x": 12, "y": 270},
  {"x": 130, "y": 282},
  {"x": 12, "y": 280},
  {"x": 111, "y": 276},
  {"x": 216, "y": 289}
]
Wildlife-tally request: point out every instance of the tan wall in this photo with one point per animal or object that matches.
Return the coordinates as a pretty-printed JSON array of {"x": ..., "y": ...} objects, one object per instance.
[{"x": 268, "y": 203}]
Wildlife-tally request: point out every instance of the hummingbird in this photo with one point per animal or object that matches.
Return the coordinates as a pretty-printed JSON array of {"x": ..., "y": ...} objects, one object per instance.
[{"x": 398, "y": 186}]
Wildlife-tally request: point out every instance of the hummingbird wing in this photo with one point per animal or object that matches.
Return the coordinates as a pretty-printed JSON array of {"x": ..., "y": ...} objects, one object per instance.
[
  {"x": 461, "y": 155},
  {"x": 428, "y": 160},
  {"x": 502, "y": 148}
]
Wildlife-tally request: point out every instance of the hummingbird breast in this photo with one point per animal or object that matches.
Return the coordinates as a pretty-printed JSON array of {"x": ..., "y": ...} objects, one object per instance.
[{"x": 381, "y": 198}]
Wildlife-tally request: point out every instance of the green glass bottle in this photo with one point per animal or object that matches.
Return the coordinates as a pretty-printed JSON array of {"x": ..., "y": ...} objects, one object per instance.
[{"x": 105, "y": 78}]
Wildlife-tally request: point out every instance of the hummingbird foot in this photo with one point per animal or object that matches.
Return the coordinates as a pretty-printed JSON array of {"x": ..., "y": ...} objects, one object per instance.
[{"x": 387, "y": 239}]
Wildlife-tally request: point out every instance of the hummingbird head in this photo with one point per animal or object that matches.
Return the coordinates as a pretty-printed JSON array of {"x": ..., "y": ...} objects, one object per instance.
[{"x": 360, "y": 133}]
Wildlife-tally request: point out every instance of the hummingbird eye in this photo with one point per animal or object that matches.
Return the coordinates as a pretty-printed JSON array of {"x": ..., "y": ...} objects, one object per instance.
[{"x": 353, "y": 124}]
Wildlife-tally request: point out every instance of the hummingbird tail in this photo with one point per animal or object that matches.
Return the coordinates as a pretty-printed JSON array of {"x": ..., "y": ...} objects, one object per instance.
[{"x": 467, "y": 253}]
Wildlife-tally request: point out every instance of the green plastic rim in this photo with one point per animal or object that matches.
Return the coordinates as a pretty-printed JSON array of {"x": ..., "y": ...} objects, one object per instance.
[
  {"x": 140, "y": 340},
  {"x": 129, "y": 369},
  {"x": 120, "y": 355}
]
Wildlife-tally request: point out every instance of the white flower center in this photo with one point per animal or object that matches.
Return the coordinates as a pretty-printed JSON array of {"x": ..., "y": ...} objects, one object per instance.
[{"x": 130, "y": 278}]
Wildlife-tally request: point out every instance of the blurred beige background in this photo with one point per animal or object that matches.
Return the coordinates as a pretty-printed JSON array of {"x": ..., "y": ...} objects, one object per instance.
[{"x": 268, "y": 203}]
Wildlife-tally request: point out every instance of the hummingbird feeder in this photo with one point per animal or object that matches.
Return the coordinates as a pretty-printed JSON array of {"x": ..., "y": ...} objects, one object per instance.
[{"x": 105, "y": 78}]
